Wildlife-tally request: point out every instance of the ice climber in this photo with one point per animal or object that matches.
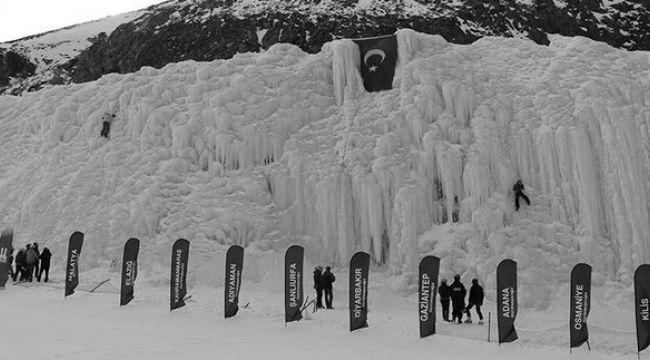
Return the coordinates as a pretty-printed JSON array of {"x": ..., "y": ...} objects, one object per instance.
[
  {"x": 318, "y": 286},
  {"x": 327, "y": 279},
  {"x": 46, "y": 255},
  {"x": 106, "y": 124},
  {"x": 445, "y": 292},
  {"x": 458, "y": 293},
  {"x": 519, "y": 193},
  {"x": 475, "y": 299}
]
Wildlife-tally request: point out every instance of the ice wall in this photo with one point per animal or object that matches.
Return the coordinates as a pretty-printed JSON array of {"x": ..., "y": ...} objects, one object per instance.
[
  {"x": 443, "y": 149},
  {"x": 282, "y": 147},
  {"x": 184, "y": 159}
]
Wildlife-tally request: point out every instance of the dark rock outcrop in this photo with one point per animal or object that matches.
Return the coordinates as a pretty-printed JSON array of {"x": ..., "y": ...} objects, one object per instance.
[
  {"x": 218, "y": 29},
  {"x": 159, "y": 38},
  {"x": 14, "y": 65}
]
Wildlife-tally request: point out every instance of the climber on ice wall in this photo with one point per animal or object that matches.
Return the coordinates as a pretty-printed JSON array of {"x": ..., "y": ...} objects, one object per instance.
[
  {"x": 519, "y": 193},
  {"x": 106, "y": 124}
]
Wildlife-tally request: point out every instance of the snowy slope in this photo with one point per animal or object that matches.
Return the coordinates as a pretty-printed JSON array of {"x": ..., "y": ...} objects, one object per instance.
[
  {"x": 62, "y": 45},
  {"x": 283, "y": 147},
  {"x": 51, "y": 51}
]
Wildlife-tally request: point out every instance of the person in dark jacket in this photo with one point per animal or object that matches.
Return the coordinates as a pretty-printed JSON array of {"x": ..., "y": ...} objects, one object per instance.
[
  {"x": 458, "y": 293},
  {"x": 46, "y": 255},
  {"x": 11, "y": 264},
  {"x": 519, "y": 193},
  {"x": 445, "y": 292},
  {"x": 21, "y": 263},
  {"x": 318, "y": 286},
  {"x": 328, "y": 278},
  {"x": 38, "y": 260},
  {"x": 475, "y": 299}
]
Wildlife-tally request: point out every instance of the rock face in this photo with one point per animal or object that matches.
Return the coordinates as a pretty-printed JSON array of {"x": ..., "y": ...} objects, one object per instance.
[
  {"x": 14, "y": 65},
  {"x": 206, "y": 30}
]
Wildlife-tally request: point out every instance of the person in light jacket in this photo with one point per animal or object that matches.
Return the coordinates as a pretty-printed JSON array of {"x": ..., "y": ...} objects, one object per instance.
[
  {"x": 106, "y": 124},
  {"x": 31, "y": 258}
]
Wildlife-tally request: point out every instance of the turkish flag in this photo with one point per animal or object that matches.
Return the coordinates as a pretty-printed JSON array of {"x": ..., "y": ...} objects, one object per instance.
[{"x": 378, "y": 59}]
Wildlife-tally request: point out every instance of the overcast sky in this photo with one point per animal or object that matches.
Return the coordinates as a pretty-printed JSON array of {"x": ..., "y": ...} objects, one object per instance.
[{"x": 20, "y": 18}]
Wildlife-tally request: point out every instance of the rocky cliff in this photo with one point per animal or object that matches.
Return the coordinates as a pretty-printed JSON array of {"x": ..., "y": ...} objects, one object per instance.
[{"x": 204, "y": 30}]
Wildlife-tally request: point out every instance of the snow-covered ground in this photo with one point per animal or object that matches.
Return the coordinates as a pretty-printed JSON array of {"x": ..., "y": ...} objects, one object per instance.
[
  {"x": 281, "y": 147},
  {"x": 93, "y": 326}
]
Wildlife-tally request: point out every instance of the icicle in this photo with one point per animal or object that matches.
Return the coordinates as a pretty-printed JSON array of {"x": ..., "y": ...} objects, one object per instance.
[
  {"x": 345, "y": 64},
  {"x": 376, "y": 225}
]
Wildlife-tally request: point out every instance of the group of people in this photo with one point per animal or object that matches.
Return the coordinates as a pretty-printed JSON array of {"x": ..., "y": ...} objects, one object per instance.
[
  {"x": 323, "y": 284},
  {"x": 455, "y": 293},
  {"x": 30, "y": 263}
]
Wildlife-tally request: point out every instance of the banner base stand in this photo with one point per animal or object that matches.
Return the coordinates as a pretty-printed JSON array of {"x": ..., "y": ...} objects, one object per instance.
[
  {"x": 100, "y": 284},
  {"x": 489, "y": 324}
]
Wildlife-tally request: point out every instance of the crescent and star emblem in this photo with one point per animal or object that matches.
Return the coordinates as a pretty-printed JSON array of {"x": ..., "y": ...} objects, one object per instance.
[{"x": 374, "y": 52}]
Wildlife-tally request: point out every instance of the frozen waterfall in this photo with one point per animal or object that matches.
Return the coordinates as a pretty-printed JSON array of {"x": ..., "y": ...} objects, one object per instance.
[{"x": 279, "y": 147}]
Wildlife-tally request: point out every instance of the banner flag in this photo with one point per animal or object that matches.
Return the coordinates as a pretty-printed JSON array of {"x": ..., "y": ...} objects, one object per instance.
[
  {"x": 293, "y": 290},
  {"x": 429, "y": 267},
  {"x": 178, "y": 280},
  {"x": 507, "y": 300},
  {"x": 72, "y": 265},
  {"x": 378, "y": 60},
  {"x": 359, "y": 269},
  {"x": 5, "y": 253},
  {"x": 642, "y": 298},
  {"x": 129, "y": 270},
  {"x": 234, "y": 266},
  {"x": 580, "y": 304}
]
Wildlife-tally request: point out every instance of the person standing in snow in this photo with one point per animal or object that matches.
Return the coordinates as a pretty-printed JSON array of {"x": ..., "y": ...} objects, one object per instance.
[
  {"x": 519, "y": 193},
  {"x": 458, "y": 293},
  {"x": 445, "y": 292},
  {"x": 19, "y": 274},
  {"x": 475, "y": 299},
  {"x": 106, "y": 124},
  {"x": 38, "y": 260},
  {"x": 31, "y": 258},
  {"x": 11, "y": 264},
  {"x": 46, "y": 255},
  {"x": 327, "y": 279},
  {"x": 318, "y": 286}
]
